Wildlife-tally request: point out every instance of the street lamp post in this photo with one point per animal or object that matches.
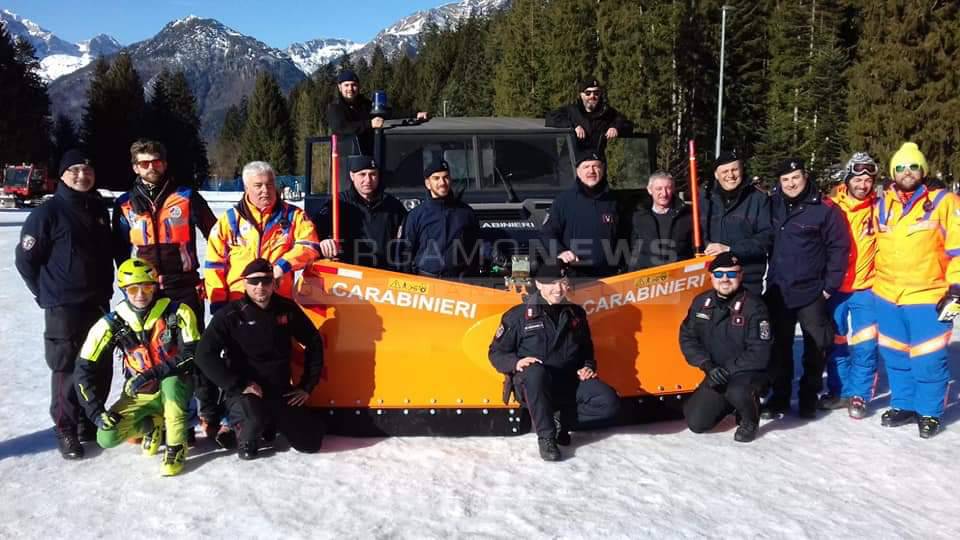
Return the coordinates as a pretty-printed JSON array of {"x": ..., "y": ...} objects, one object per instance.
[{"x": 723, "y": 41}]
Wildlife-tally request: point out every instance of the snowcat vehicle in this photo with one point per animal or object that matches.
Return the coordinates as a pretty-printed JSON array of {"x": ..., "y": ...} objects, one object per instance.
[
  {"x": 25, "y": 185},
  {"x": 407, "y": 354}
]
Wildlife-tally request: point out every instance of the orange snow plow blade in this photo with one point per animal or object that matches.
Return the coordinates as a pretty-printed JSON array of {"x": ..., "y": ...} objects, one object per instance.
[{"x": 407, "y": 355}]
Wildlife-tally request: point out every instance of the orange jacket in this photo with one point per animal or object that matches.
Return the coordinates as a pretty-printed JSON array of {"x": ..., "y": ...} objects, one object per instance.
[
  {"x": 862, "y": 220},
  {"x": 917, "y": 246},
  {"x": 286, "y": 237}
]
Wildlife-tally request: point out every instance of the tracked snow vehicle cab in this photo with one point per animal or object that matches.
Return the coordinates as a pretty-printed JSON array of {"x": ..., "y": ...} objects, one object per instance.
[{"x": 407, "y": 354}]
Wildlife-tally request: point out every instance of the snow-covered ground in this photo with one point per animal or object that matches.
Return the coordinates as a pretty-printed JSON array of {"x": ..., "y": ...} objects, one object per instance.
[{"x": 833, "y": 477}]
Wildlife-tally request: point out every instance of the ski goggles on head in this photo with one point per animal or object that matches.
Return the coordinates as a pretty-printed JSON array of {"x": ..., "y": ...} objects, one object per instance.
[
  {"x": 140, "y": 288},
  {"x": 730, "y": 274},
  {"x": 914, "y": 167},
  {"x": 864, "y": 168}
]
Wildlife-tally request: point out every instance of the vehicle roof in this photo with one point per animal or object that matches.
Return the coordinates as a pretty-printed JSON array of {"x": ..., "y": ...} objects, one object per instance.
[{"x": 475, "y": 124}]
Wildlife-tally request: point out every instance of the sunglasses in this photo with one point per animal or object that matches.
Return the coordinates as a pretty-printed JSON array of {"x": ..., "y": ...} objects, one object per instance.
[
  {"x": 728, "y": 273},
  {"x": 260, "y": 280},
  {"x": 145, "y": 164},
  {"x": 144, "y": 288},
  {"x": 592, "y": 92},
  {"x": 915, "y": 167},
  {"x": 865, "y": 168}
]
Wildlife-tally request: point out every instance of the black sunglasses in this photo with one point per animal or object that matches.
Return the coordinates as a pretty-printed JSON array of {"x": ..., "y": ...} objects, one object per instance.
[{"x": 260, "y": 280}]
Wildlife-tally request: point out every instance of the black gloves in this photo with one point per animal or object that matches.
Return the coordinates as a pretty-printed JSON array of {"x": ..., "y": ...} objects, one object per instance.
[
  {"x": 716, "y": 375},
  {"x": 107, "y": 420}
]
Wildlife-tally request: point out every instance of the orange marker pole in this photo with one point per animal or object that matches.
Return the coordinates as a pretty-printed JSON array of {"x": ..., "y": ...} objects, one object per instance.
[
  {"x": 335, "y": 189},
  {"x": 695, "y": 195}
]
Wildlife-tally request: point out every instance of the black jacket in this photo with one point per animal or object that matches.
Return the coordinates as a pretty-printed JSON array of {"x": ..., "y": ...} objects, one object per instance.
[
  {"x": 369, "y": 231},
  {"x": 735, "y": 334},
  {"x": 589, "y": 224},
  {"x": 64, "y": 251},
  {"x": 345, "y": 118},
  {"x": 653, "y": 247},
  {"x": 811, "y": 244},
  {"x": 595, "y": 123},
  {"x": 744, "y": 226},
  {"x": 257, "y": 347},
  {"x": 441, "y": 237},
  {"x": 526, "y": 330}
]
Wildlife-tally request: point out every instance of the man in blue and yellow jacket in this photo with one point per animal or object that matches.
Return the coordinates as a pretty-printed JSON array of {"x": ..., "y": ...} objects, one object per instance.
[
  {"x": 157, "y": 338},
  {"x": 918, "y": 274}
]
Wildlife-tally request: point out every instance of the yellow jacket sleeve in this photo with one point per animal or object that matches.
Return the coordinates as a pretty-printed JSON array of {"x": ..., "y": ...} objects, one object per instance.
[
  {"x": 305, "y": 246},
  {"x": 950, "y": 218},
  {"x": 215, "y": 266}
]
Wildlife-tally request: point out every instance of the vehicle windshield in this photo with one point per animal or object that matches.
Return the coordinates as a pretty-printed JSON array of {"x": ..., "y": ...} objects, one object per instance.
[{"x": 13, "y": 176}]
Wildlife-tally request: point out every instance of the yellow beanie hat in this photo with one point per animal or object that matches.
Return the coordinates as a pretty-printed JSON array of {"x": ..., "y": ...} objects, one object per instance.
[{"x": 908, "y": 154}]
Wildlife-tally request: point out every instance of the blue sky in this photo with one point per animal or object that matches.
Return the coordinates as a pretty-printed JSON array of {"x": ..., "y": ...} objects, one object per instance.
[{"x": 276, "y": 22}]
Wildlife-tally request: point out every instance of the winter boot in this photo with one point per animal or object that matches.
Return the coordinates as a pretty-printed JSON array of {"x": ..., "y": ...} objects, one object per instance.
[
  {"x": 563, "y": 436},
  {"x": 807, "y": 408},
  {"x": 857, "y": 408},
  {"x": 828, "y": 402},
  {"x": 152, "y": 440},
  {"x": 248, "y": 450},
  {"x": 68, "y": 443},
  {"x": 897, "y": 417},
  {"x": 226, "y": 438},
  {"x": 86, "y": 431},
  {"x": 929, "y": 426},
  {"x": 269, "y": 434},
  {"x": 746, "y": 432},
  {"x": 173, "y": 459},
  {"x": 549, "y": 450},
  {"x": 773, "y": 409}
]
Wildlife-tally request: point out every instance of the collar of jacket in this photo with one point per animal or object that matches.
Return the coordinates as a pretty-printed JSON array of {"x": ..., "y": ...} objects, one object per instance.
[
  {"x": 247, "y": 302},
  {"x": 676, "y": 208},
  {"x": 353, "y": 196},
  {"x": 360, "y": 101},
  {"x": 536, "y": 301},
  {"x": 738, "y": 296},
  {"x": 596, "y": 113},
  {"x": 601, "y": 190},
  {"x": 811, "y": 194},
  {"x": 849, "y": 202},
  {"x": 450, "y": 201},
  {"x": 253, "y": 214},
  {"x": 714, "y": 193},
  {"x": 140, "y": 199},
  {"x": 77, "y": 197}
]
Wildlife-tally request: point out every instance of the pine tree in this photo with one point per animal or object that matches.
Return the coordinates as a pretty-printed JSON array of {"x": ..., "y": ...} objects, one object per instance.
[
  {"x": 569, "y": 49},
  {"x": 516, "y": 81},
  {"x": 65, "y": 138},
  {"x": 468, "y": 90},
  {"x": 380, "y": 73},
  {"x": 24, "y": 115},
  {"x": 403, "y": 87},
  {"x": 226, "y": 150},
  {"x": 173, "y": 120},
  {"x": 267, "y": 134}
]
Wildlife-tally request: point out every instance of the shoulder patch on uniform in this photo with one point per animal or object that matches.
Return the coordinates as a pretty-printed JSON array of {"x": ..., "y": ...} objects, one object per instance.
[
  {"x": 765, "y": 330},
  {"x": 28, "y": 242},
  {"x": 500, "y": 331}
]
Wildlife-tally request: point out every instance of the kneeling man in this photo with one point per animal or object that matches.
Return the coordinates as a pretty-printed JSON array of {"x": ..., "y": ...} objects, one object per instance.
[
  {"x": 727, "y": 335},
  {"x": 246, "y": 352},
  {"x": 544, "y": 349}
]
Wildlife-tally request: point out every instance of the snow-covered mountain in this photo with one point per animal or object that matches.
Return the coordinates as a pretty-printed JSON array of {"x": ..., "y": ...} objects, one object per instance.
[
  {"x": 403, "y": 36},
  {"x": 57, "y": 56},
  {"x": 316, "y": 53}
]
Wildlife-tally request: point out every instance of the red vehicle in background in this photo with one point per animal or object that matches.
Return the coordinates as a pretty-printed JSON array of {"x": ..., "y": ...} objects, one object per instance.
[{"x": 25, "y": 185}]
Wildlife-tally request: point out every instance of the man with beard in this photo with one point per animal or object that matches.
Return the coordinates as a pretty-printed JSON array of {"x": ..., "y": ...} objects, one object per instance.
[
  {"x": 807, "y": 265},
  {"x": 584, "y": 227},
  {"x": 918, "y": 288},
  {"x": 591, "y": 117},
  {"x": 157, "y": 220},
  {"x": 64, "y": 258},
  {"x": 735, "y": 217},
  {"x": 349, "y": 112}
]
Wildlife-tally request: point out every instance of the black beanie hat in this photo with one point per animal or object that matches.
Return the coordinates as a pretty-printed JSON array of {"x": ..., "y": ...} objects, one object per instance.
[{"x": 73, "y": 157}]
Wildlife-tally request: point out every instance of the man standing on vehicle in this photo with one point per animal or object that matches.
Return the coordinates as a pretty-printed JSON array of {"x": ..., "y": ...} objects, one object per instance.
[
  {"x": 256, "y": 334},
  {"x": 735, "y": 217},
  {"x": 64, "y": 258},
  {"x": 809, "y": 260},
  {"x": 727, "y": 334},
  {"x": 441, "y": 237},
  {"x": 370, "y": 220},
  {"x": 157, "y": 220},
  {"x": 260, "y": 225},
  {"x": 584, "y": 227},
  {"x": 349, "y": 112},
  {"x": 852, "y": 362},
  {"x": 593, "y": 120},
  {"x": 544, "y": 349},
  {"x": 918, "y": 289},
  {"x": 663, "y": 232}
]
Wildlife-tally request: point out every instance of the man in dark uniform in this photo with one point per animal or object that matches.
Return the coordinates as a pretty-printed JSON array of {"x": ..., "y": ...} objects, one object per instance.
[
  {"x": 157, "y": 220},
  {"x": 65, "y": 260},
  {"x": 727, "y": 334},
  {"x": 591, "y": 117},
  {"x": 584, "y": 227},
  {"x": 807, "y": 264},
  {"x": 255, "y": 333},
  {"x": 441, "y": 237},
  {"x": 735, "y": 217},
  {"x": 370, "y": 220},
  {"x": 544, "y": 349}
]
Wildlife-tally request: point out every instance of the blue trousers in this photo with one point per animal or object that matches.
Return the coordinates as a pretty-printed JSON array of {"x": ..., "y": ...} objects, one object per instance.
[
  {"x": 852, "y": 362},
  {"x": 913, "y": 345}
]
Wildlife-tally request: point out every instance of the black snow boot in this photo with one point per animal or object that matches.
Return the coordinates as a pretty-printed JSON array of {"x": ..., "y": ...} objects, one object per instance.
[
  {"x": 563, "y": 436},
  {"x": 772, "y": 409},
  {"x": 248, "y": 450},
  {"x": 269, "y": 434},
  {"x": 929, "y": 426},
  {"x": 897, "y": 418},
  {"x": 746, "y": 432},
  {"x": 829, "y": 402},
  {"x": 857, "y": 408},
  {"x": 69, "y": 444},
  {"x": 549, "y": 450}
]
